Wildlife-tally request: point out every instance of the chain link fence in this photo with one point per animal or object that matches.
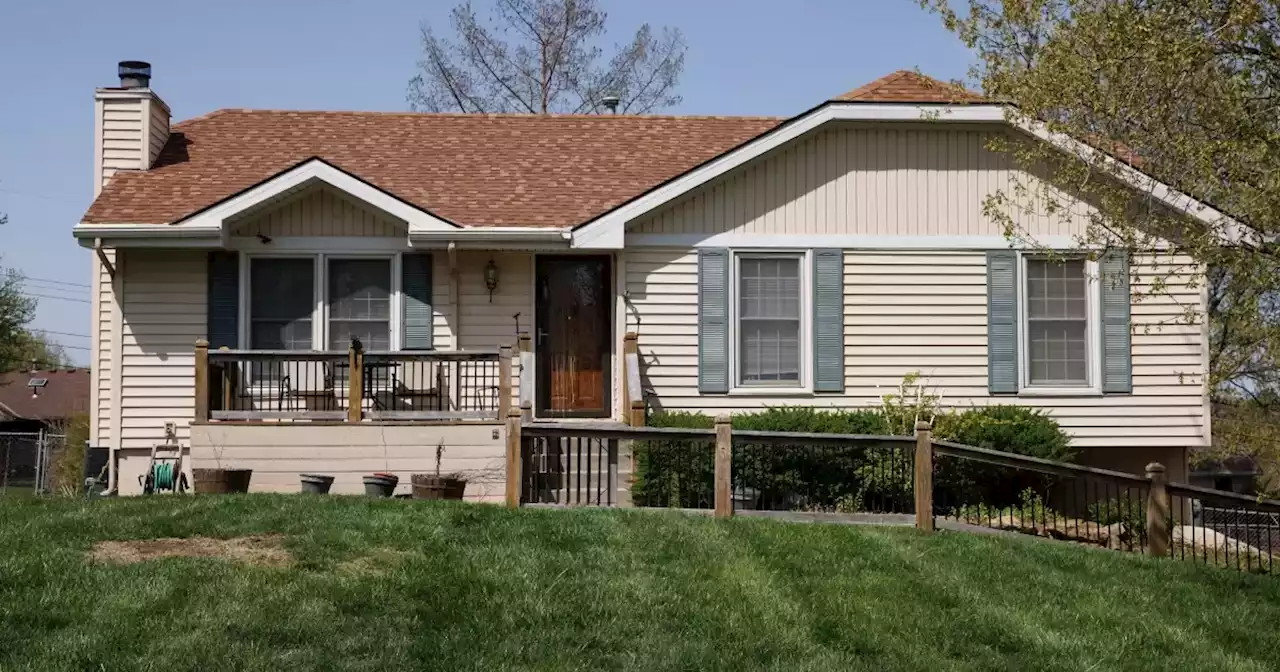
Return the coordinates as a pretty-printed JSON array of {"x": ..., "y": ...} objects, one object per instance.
[{"x": 26, "y": 460}]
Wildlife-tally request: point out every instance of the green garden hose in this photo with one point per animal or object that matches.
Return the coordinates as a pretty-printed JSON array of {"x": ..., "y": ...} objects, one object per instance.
[{"x": 162, "y": 476}]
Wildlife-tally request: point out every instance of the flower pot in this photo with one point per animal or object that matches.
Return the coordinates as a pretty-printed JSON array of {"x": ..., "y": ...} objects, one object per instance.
[
  {"x": 317, "y": 484},
  {"x": 380, "y": 485},
  {"x": 220, "y": 481},
  {"x": 430, "y": 486}
]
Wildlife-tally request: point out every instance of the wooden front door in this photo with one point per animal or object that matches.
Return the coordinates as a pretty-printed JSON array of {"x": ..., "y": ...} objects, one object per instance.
[{"x": 574, "y": 319}]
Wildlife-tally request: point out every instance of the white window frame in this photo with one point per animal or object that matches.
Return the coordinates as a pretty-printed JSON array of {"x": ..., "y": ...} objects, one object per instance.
[
  {"x": 1093, "y": 331},
  {"x": 805, "y": 386},
  {"x": 320, "y": 292}
]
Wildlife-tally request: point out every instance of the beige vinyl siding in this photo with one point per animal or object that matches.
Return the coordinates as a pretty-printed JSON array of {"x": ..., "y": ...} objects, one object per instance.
[
  {"x": 319, "y": 211},
  {"x": 122, "y": 129},
  {"x": 926, "y": 312},
  {"x": 104, "y": 344},
  {"x": 279, "y": 453},
  {"x": 158, "y": 130},
  {"x": 874, "y": 181},
  {"x": 163, "y": 316}
]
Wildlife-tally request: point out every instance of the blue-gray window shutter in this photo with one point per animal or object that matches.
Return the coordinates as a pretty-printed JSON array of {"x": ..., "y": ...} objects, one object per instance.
[
  {"x": 1002, "y": 321},
  {"x": 713, "y": 320},
  {"x": 1117, "y": 364},
  {"x": 222, "y": 314},
  {"x": 828, "y": 320},
  {"x": 415, "y": 284}
]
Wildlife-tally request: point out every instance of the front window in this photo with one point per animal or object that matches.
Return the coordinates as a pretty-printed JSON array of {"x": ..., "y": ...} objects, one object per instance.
[
  {"x": 281, "y": 303},
  {"x": 359, "y": 303},
  {"x": 769, "y": 309},
  {"x": 1057, "y": 323}
]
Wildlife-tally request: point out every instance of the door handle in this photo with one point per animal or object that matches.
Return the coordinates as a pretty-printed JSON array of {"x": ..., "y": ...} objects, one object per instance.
[{"x": 542, "y": 335}]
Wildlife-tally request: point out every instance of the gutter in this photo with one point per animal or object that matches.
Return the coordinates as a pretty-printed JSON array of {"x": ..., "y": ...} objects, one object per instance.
[{"x": 491, "y": 234}]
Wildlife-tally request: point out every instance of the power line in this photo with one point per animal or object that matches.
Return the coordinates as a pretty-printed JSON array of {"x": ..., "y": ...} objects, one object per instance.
[
  {"x": 57, "y": 282},
  {"x": 49, "y": 296},
  {"x": 62, "y": 333}
]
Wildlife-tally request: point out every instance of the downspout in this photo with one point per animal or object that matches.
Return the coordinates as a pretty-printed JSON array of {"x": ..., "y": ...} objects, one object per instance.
[
  {"x": 454, "y": 296},
  {"x": 117, "y": 373}
]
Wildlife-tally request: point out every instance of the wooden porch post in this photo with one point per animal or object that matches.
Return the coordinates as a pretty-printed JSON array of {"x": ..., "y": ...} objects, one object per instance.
[
  {"x": 634, "y": 395},
  {"x": 1158, "y": 533},
  {"x": 526, "y": 372},
  {"x": 724, "y": 467},
  {"x": 355, "y": 382},
  {"x": 924, "y": 476},
  {"x": 506, "y": 386},
  {"x": 202, "y": 381},
  {"x": 514, "y": 418}
]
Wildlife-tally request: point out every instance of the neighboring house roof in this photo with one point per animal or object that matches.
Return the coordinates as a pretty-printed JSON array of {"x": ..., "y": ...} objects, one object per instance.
[
  {"x": 472, "y": 170},
  {"x": 908, "y": 86},
  {"x": 65, "y": 393}
]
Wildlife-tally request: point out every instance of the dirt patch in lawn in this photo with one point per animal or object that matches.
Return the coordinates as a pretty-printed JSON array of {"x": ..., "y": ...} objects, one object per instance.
[
  {"x": 378, "y": 563},
  {"x": 265, "y": 550}
]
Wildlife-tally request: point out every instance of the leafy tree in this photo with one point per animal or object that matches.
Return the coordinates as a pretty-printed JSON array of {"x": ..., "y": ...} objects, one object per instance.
[
  {"x": 19, "y": 347},
  {"x": 1185, "y": 90},
  {"x": 551, "y": 64}
]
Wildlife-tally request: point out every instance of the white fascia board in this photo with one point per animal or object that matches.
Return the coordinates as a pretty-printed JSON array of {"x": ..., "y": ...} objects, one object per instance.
[
  {"x": 743, "y": 241},
  {"x": 488, "y": 235},
  {"x": 317, "y": 170},
  {"x": 146, "y": 235},
  {"x": 606, "y": 231}
]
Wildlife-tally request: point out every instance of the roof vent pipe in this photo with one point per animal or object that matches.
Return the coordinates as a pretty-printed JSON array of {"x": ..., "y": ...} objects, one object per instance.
[
  {"x": 134, "y": 74},
  {"x": 611, "y": 103}
]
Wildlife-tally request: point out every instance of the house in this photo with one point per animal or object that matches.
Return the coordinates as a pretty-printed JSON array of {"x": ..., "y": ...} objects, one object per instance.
[
  {"x": 33, "y": 405},
  {"x": 813, "y": 260}
]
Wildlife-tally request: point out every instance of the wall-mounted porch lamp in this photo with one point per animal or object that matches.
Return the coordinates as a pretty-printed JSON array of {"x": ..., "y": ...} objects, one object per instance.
[{"x": 491, "y": 278}]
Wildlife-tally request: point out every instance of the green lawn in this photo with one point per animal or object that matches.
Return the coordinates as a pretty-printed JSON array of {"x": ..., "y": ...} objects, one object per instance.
[{"x": 396, "y": 585}]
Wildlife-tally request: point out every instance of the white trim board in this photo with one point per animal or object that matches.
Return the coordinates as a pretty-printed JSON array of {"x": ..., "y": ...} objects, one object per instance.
[
  {"x": 843, "y": 241},
  {"x": 607, "y": 231}
]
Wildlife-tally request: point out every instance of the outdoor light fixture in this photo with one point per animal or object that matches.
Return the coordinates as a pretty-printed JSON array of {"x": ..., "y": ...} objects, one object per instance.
[{"x": 491, "y": 278}]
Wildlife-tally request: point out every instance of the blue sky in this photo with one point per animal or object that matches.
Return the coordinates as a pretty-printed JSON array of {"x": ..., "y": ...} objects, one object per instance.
[{"x": 745, "y": 57}]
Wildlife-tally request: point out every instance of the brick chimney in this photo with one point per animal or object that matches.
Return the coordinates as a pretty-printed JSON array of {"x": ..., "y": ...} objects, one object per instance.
[{"x": 130, "y": 124}]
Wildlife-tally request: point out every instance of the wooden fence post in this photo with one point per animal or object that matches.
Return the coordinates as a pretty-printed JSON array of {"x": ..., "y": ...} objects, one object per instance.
[
  {"x": 514, "y": 418},
  {"x": 634, "y": 400},
  {"x": 724, "y": 467},
  {"x": 924, "y": 476},
  {"x": 355, "y": 382},
  {"x": 506, "y": 386},
  {"x": 1158, "y": 533},
  {"x": 202, "y": 380}
]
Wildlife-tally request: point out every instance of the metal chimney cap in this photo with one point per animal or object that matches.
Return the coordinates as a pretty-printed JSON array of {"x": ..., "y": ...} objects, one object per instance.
[
  {"x": 134, "y": 74},
  {"x": 610, "y": 102}
]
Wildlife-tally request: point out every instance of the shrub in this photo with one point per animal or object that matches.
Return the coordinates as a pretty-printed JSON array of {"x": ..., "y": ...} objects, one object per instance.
[
  {"x": 1012, "y": 429},
  {"x": 1129, "y": 511}
]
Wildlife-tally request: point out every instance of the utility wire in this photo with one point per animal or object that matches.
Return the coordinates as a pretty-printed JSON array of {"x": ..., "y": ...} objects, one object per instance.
[
  {"x": 50, "y": 296},
  {"x": 56, "y": 282},
  {"x": 61, "y": 333}
]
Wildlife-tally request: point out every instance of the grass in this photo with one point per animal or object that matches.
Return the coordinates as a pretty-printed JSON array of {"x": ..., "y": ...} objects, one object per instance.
[{"x": 395, "y": 585}]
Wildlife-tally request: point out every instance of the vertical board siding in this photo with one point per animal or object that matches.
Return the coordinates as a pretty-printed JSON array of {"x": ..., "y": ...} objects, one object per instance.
[
  {"x": 122, "y": 129},
  {"x": 319, "y": 211},
  {"x": 163, "y": 315},
  {"x": 870, "y": 181},
  {"x": 927, "y": 312}
]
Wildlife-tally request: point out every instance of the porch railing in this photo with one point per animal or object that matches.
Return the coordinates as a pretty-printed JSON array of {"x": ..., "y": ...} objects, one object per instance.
[{"x": 352, "y": 385}]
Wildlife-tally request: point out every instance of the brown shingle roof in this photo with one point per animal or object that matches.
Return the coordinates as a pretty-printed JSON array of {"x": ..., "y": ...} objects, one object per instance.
[
  {"x": 475, "y": 170},
  {"x": 908, "y": 86},
  {"x": 66, "y": 393}
]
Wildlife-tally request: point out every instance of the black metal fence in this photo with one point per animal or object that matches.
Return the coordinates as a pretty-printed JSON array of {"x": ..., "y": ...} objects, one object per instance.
[
  {"x": 287, "y": 384},
  {"x": 784, "y": 471},
  {"x": 557, "y": 468},
  {"x": 1224, "y": 529},
  {"x": 1017, "y": 493}
]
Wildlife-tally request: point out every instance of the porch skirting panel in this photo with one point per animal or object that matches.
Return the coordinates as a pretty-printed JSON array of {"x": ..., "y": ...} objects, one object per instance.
[{"x": 279, "y": 453}]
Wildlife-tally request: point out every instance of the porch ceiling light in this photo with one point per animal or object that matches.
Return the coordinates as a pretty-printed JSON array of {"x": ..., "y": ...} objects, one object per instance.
[{"x": 491, "y": 278}]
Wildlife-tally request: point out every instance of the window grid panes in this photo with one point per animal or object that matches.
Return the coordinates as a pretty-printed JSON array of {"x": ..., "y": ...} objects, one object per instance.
[
  {"x": 1057, "y": 322},
  {"x": 769, "y": 305},
  {"x": 360, "y": 303}
]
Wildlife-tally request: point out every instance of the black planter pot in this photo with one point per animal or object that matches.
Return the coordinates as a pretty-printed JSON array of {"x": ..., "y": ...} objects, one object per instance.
[
  {"x": 380, "y": 485},
  {"x": 316, "y": 484}
]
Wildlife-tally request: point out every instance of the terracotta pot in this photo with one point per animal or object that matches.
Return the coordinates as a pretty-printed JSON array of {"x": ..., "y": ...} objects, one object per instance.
[
  {"x": 220, "y": 481},
  {"x": 430, "y": 486}
]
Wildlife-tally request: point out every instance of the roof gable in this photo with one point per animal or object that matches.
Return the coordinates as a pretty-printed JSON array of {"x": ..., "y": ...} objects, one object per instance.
[{"x": 908, "y": 86}]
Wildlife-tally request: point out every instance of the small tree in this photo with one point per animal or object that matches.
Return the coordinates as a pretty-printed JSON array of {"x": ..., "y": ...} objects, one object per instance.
[{"x": 551, "y": 64}]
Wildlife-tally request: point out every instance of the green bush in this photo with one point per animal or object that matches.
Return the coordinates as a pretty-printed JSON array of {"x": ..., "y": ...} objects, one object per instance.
[
  {"x": 1130, "y": 511},
  {"x": 1012, "y": 429}
]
